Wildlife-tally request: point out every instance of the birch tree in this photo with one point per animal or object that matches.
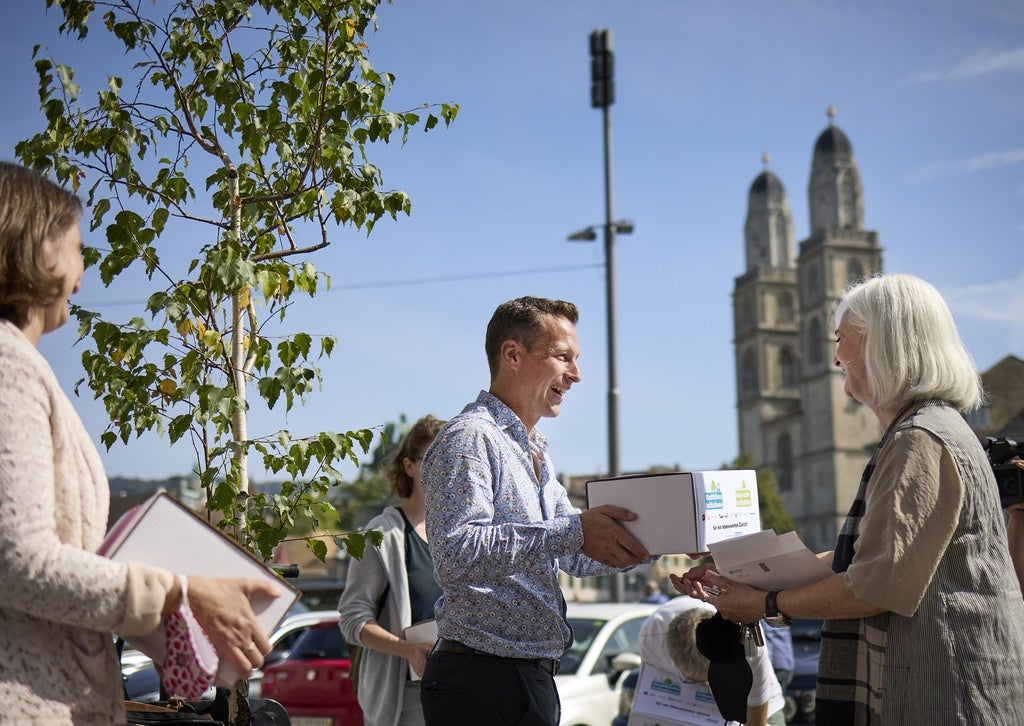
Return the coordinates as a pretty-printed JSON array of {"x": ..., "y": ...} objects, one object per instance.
[{"x": 233, "y": 144}]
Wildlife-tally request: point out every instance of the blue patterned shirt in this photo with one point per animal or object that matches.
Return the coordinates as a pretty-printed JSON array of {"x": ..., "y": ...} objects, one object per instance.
[{"x": 498, "y": 535}]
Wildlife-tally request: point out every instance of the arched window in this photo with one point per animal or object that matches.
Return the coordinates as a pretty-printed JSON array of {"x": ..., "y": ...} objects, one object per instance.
[
  {"x": 784, "y": 462},
  {"x": 785, "y": 308},
  {"x": 787, "y": 374},
  {"x": 814, "y": 280},
  {"x": 815, "y": 343},
  {"x": 748, "y": 374}
]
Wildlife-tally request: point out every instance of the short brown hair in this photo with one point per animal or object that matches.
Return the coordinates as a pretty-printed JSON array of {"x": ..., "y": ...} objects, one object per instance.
[
  {"x": 522, "y": 320},
  {"x": 413, "y": 444},
  {"x": 33, "y": 211}
]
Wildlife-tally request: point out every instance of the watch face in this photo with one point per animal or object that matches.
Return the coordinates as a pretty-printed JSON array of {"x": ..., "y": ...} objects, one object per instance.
[{"x": 778, "y": 621}]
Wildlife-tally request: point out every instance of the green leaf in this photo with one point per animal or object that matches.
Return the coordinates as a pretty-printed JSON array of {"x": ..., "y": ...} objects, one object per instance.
[{"x": 318, "y": 548}]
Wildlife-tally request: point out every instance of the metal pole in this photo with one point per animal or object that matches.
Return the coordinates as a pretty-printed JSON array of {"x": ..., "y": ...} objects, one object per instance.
[
  {"x": 609, "y": 269},
  {"x": 619, "y": 587}
]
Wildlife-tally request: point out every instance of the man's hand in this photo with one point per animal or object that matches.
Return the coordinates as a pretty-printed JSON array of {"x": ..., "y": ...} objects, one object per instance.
[{"x": 607, "y": 541}]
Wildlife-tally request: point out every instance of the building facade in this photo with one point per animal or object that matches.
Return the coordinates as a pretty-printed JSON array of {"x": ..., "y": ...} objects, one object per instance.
[{"x": 793, "y": 415}]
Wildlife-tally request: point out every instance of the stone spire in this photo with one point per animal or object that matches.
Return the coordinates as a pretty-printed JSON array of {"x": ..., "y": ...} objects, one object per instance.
[
  {"x": 769, "y": 227},
  {"x": 834, "y": 192}
]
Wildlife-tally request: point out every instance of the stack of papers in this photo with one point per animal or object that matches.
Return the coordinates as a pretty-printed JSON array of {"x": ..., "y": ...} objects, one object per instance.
[{"x": 768, "y": 561}]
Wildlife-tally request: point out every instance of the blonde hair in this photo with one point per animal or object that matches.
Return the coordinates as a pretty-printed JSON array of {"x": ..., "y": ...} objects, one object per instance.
[{"x": 681, "y": 641}]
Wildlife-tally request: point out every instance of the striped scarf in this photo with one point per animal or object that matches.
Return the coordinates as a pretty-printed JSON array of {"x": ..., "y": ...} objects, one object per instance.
[{"x": 852, "y": 656}]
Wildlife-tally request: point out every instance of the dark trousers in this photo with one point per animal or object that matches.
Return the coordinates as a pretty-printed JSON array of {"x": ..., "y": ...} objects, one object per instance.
[{"x": 468, "y": 688}]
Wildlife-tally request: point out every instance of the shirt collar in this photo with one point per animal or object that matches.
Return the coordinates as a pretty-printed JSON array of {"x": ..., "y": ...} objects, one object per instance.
[{"x": 507, "y": 419}]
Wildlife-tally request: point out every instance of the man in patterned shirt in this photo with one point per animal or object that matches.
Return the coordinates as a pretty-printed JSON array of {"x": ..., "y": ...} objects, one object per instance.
[{"x": 500, "y": 526}]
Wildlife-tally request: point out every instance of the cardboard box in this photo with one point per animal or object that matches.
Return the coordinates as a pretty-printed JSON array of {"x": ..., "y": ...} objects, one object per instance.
[
  {"x": 665, "y": 699},
  {"x": 683, "y": 512}
]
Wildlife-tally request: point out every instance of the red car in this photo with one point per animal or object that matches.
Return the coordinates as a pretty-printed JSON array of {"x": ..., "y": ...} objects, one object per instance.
[{"x": 313, "y": 682}]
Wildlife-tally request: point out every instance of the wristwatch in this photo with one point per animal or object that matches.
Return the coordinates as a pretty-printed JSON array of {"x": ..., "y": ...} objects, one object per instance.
[{"x": 772, "y": 616}]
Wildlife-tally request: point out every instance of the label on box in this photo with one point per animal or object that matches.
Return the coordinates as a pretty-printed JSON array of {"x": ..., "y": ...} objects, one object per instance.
[{"x": 727, "y": 505}]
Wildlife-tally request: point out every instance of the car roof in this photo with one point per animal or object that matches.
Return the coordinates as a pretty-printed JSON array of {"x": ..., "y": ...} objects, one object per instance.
[
  {"x": 299, "y": 620},
  {"x": 608, "y": 610}
]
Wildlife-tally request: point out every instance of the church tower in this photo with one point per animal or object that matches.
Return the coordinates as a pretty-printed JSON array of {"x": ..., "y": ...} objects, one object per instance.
[
  {"x": 793, "y": 415},
  {"x": 765, "y": 316}
]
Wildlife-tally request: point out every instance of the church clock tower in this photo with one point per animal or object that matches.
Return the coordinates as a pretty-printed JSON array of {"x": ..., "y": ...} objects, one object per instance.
[{"x": 793, "y": 415}]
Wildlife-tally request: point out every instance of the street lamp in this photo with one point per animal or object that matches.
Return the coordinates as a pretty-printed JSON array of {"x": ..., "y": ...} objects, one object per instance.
[
  {"x": 589, "y": 234},
  {"x": 602, "y": 96}
]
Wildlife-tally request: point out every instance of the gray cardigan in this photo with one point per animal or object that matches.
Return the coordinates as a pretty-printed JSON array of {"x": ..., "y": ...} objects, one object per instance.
[{"x": 382, "y": 678}]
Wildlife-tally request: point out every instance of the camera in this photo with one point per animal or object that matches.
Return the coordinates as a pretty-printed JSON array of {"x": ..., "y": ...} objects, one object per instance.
[{"x": 1009, "y": 478}]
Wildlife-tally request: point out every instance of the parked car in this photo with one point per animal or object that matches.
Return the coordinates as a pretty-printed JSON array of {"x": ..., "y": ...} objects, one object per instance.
[
  {"x": 314, "y": 685},
  {"x": 313, "y": 682},
  {"x": 801, "y": 690},
  {"x": 142, "y": 683},
  {"x": 627, "y": 691},
  {"x": 604, "y": 646}
]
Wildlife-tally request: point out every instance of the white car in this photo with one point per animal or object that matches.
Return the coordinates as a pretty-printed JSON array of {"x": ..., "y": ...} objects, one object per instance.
[{"x": 588, "y": 681}]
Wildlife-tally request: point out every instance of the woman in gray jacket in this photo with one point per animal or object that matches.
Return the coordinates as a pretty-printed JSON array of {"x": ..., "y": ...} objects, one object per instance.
[{"x": 391, "y": 588}]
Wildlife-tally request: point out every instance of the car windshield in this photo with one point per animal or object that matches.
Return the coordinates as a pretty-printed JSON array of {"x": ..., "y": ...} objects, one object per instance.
[
  {"x": 806, "y": 629},
  {"x": 320, "y": 643},
  {"x": 584, "y": 631}
]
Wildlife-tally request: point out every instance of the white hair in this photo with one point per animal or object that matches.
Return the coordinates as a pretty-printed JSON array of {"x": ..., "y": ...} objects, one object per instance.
[{"x": 912, "y": 350}]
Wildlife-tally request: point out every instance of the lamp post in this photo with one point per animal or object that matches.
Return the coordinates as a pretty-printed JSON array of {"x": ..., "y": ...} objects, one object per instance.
[{"x": 602, "y": 95}]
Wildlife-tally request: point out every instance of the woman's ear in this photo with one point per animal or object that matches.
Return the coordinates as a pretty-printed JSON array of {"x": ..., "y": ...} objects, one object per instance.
[{"x": 409, "y": 466}]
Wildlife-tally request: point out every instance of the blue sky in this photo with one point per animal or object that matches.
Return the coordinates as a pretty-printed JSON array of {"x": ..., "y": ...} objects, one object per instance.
[{"x": 931, "y": 99}]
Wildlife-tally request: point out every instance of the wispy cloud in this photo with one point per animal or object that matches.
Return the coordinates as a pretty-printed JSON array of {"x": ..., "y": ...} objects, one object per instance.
[
  {"x": 982, "y": 162},
  {"x": 999, "y": 302},
  {"x": 982, "y": 63}
]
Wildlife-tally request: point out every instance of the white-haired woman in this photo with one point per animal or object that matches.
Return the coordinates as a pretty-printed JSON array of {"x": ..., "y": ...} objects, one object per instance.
[{"x": 924, "y": 621}]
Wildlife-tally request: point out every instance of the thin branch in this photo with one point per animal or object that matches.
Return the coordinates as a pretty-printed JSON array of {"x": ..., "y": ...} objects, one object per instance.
[{"x": 277, "y": 254}]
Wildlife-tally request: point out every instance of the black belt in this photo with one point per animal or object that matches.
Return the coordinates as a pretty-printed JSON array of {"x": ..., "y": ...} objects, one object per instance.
[{"x": 548, "y": 665}]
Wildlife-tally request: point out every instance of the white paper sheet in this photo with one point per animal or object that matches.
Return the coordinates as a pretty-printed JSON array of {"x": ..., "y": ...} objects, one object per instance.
[{"x": 768, "y": 561}]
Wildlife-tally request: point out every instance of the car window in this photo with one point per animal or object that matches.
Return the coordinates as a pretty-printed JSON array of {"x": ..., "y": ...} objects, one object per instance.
[
  {"x": 320, "y": 642},
  {"x": 622, "y": 640},
  {"x": 283, "y": 646},
  {"x": 806, "y": 629},
  {"x": 584, "y": 631}
]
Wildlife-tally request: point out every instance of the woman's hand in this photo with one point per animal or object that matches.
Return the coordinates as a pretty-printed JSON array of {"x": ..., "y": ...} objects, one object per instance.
[
  {"x": 735, "y": 601},
  {"x": 690, "y": 581},
  {"x": 223, "y": 608},
  {"x": 416, "y": 654}
]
